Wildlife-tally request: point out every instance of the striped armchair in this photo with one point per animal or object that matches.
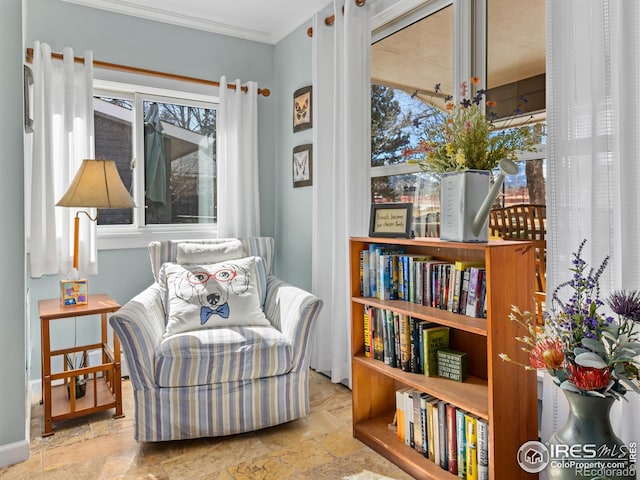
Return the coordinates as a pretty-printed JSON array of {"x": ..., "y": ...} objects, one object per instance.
[{"x": 220, "y": 381}]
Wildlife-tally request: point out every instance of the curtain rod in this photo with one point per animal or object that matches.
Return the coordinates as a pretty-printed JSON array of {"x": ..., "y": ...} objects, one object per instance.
[
  {"x": 332, "y": 18},
  {"x": 171, "y": 76}
]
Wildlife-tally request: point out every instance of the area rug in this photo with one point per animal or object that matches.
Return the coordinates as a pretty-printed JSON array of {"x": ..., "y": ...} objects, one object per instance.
[{"x": 366, "y": 475}]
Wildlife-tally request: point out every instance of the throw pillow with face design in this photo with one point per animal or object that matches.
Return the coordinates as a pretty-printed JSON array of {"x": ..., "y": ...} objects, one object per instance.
[{"x": 208, "y": 296}]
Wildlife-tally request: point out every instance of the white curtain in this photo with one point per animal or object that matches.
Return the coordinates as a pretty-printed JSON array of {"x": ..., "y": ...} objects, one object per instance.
[
  {"x": 237, "y": 157},
  {"x": 593, "y": 159},
  {"x": 341, "y": 191},
  {"x": 63, "y": 135}
]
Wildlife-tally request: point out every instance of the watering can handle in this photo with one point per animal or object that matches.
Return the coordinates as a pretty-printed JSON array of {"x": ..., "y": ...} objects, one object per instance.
[{"x": 507, "y": 167}]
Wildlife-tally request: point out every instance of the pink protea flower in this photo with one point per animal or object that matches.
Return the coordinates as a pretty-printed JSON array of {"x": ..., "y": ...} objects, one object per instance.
[
  {"x": 547, "y": 353},
  {"x": 588, "y": 379}
]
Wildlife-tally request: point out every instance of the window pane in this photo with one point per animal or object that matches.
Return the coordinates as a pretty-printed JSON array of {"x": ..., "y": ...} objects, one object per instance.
[
  {"x": 420, "y": 189},
  {"x": 516, "y": 56},
  {"x": 405, "y": 68},
  {"x": 113, "y": 120},
  {"x": 180, "y": 165},
  {"x": 528, "y": 186}
]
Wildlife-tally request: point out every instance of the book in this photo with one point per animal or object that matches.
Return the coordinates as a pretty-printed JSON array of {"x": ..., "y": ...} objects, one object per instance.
[
  {"x": 436, "y": 433},
  {"x": 442, "y": 435},
  {"x": 471, "y": 447},
  {"x": 459, "y": 269},
  {"x": 475, "y": 285},
  {"x": 464, "y": 290},
  {"x": 378, "y": 335},
  {"x": 418, "y": 399},
  {"x": 366, "y": 286},
  {"x": 389, "y": 338},
  {"x": 396, "y": 338},
  {"x": 452, "y": 440},
  {"x": 408, "y": 415},
  {"x": 411, "y": 267},
  {"x": 400, "y": 421},
  {"x": 405, "y": 342},
  {"x": 483, "y": 448},
  {"x": 367, "y": 332},
  {"x": 424, "y": 398},
  {"x": 461, "y": 443},
  {"x": 428, "y": 274},
  {"x": 435, "y": 337},
  {"x": 432, "y": 404}
]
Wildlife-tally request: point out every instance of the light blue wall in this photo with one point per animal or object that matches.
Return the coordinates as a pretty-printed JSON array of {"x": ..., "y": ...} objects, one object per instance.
[
  {"x": 293, "y": 205},
  {"x": 285, "y": 212},
  {"x": 12, "y": 280},
  {"x": 158, "y": 46}
]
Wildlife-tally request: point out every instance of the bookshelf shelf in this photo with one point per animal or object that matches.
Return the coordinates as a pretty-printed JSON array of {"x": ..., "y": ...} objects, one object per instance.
[
  {"x": 500, "y": 392},
  {"x": 443, "y": 317}
]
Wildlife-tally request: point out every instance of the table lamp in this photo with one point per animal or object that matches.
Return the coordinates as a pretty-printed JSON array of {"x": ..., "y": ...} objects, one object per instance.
[{"x": 97, "y": 184}]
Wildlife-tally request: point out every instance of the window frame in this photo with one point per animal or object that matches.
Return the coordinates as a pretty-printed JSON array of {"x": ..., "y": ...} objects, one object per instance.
[
  {"x": 469, "y": 54},
  {"x": 138, "y": 234}
]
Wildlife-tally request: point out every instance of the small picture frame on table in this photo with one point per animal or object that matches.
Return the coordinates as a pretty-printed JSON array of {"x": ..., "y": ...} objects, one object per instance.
[
  {"x": 302, "y": 166},
  {"x": 302, "y": 113},
  {"x": 392, "y": 220}
]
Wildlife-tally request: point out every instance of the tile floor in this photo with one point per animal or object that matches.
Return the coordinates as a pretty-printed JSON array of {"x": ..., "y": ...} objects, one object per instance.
[{"x": 97, "y": 447}]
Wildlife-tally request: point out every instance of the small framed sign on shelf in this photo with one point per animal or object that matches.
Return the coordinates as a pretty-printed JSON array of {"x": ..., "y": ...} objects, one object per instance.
[{"x": 391, "y": 220}]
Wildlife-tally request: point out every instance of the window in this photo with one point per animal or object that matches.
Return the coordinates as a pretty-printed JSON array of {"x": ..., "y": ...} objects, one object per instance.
[
  {"x": 412, "y": 54},
  {"x": 163, "y": 143}
]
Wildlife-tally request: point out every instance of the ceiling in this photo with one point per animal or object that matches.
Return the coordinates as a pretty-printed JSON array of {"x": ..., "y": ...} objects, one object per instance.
[
  {"x": 420, "y": 56},
  {"x": 266, "y": 21}
]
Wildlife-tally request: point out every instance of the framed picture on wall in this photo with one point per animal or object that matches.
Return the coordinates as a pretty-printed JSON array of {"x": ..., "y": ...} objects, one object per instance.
[
  {"x": 302, "y": 166},
  {"x": 302, "y": 109}
]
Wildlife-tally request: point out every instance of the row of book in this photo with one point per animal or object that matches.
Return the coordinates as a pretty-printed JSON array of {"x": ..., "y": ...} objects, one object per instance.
[
  {"x": 403, "y": 341},
  {"x": 452, "y": 438},
  {"x": 389, "y": 273}
]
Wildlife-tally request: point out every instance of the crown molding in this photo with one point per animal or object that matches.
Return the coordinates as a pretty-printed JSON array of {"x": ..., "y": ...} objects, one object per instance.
[{"x": 176, "y": 18}]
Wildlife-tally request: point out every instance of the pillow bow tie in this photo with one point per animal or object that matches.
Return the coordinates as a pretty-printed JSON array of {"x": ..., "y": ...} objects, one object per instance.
[{"x": 206, "y": 312}]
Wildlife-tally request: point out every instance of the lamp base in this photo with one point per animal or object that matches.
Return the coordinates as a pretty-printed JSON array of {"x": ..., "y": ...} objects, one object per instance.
[{"x": 74, "y": 292}]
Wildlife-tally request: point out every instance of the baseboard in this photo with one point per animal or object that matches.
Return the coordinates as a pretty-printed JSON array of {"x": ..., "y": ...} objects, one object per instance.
[{"x": 14, "y": 453}]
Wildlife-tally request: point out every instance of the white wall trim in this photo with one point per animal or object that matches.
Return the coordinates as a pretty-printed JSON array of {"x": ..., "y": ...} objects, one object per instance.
[{"x": 14, "y": 452}]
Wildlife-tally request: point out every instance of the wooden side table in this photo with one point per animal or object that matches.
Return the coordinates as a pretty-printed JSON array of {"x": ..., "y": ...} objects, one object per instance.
[{"x": 103, "y": 382}]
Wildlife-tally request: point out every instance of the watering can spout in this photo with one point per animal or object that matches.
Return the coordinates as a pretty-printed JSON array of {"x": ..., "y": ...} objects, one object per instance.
[{"x": 507, "y": 167}]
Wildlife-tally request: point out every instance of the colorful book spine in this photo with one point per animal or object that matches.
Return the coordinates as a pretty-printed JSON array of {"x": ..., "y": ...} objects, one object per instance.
[
  {"x": 452, "y": 441},
  {"x": 366, "y": 286},
  {"x": 432, "y": 405},
  {"x": 418, "y": 397},
  {"x": 424, "y": 399},
  {"x": 461, "y": 440},
  {"x": 442, "y": 435},
  {"x": 471, "y": 447},
  {"x": 396, "y": 339},
  {"x": 435, "y": 337},
  {"x": 378, "y": 335},
  {"x": 436, "y": 433},
  {"x": 405, "y": 342},
  {"x": 367, "y": 332},
  {"x": 483, "y": 449},
  {"x": 408, "y": 417},
  {"x": 389, "y": 338}
]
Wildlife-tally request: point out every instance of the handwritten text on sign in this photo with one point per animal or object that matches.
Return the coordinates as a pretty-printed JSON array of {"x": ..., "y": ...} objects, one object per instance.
[{"x": 391, "y": 220}]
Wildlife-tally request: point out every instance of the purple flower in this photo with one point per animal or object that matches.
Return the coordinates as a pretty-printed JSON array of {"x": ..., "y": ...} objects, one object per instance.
[{"x": 626, "y": 304}]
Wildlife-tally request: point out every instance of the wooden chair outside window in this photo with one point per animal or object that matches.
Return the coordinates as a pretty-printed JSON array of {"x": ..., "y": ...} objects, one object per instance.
[{"x": 525, "y": 222}]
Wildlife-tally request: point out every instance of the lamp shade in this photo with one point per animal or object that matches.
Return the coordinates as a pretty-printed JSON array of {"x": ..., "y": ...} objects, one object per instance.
[{"x": 97, "y": 184}]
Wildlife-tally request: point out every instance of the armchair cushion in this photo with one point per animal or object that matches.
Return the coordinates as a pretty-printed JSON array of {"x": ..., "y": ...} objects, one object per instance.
[
  {"x": 218, "y": 355},
  {"x": 190, "y": 253},
  {"x": 219, "y": 295}
]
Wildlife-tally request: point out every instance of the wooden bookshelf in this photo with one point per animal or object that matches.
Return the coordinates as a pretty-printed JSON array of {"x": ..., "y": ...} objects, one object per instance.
[{"x": 502, "y": 393}]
